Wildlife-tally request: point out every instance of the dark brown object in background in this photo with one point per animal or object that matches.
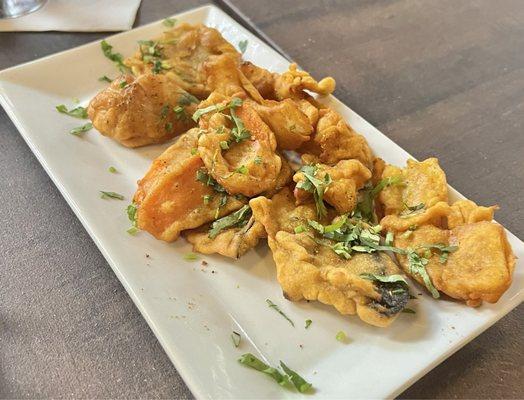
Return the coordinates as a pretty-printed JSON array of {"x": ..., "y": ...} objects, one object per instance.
[{"x": 441, "y": 79}]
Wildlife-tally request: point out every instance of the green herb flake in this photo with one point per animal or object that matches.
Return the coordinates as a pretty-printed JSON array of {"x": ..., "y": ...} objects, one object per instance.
[
  {"x": 411, "y": 211},
  {"x": 105, "y": 79},
  {"x": 277, "y": 309},
  {"x": 239, "y": 132},
  {"x": 123, "y": 84},
  {"x": 111, "y": 195},
  {"x": 112, "y": 170},
  {"x": 258, "y": 160},
  {"x": 409, "y": 311},
  {"x": 207, "y": 198},
  {"x": 133, "y": 230},
  {"x": 252, "y": 361},
  {"x": 308, "y": 323},
  {"x": 242, "y": 45},
  {"x": 300, "y": 229},
  {"x": 395, "y": 278},
  {"x": 164, "y": 111},
  {"x": 316, "y": 186},
  {"x": 169, "y": 22},
  {"x": 235, "y": 102},
  {"x": 194, "y": 151},
  {"x": 341, "y": 337},
  {"x": 79, "y": 130},
  {"x": 235, "y": 337},
  {"x": 77, "y": 112},
  {"x": 417, "y": 266},
  {"x": 241, "y": 170},
  {"x": 169, "y": 126},
  {"x": 117, "y": 58},
  {"x": 300, "y": 383},
  {"x": 237, "y": 219},
  {"x": 224, "y": 145},
  {"x": 366, "y": 204},
  {"x": 190, "y": 257}
]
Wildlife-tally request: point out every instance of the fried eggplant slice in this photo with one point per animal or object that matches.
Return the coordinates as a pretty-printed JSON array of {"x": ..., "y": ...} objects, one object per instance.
[
  {"x": 231, "y": 242},
  {"x": 307, "y": 269},
  {"x": 334, "y": 140},
  {"x": 180, "y": 53},
  {"x": 423, "y": 185},
  {"x": 141, "y": 111},
  {"x": 170, "y": 199},
  {"x": 239, "y": 151},
  {"x": 346, "y": 178}
]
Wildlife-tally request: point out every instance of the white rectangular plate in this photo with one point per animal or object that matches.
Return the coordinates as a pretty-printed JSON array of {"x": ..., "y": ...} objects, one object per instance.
[{"x": 193, "y": 310}]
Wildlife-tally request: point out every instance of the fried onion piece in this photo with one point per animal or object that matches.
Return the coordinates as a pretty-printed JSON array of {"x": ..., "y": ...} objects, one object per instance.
[
  {"x": 141, "y": 111},
  {"x": 233, "y": 242},
  {"x": 347, "y": 177},
  {"x": 248, "y": 167},
  {"x": 423, "y": 184},
  {"x": 335, "y": 140},
  {"x": 179, "y": 53},
  {"x": 169, "y": 198}
]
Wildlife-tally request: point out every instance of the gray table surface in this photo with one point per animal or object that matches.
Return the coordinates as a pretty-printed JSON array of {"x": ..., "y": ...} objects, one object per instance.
[{"x": 440, "y": 78}]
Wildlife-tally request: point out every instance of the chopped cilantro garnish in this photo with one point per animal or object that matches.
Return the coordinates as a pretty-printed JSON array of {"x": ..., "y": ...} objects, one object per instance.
[
  {"x": 250, "y": 360},
  {"x": 77, "y": 112},
  {"x": 112, "y": 170},
  {"x": 242, "y": 45},
  {"x": 235, "y": 102},
  {"x": 131, "y": 211},
  {"x": 417, "y": 266},
  {"x": 117, "y": 58},
  {"x": 235, "y": 337},
  {"x": 277, "y": 309},
  {"x": 133, "y": 230},
  {"x": 300, "y": 383},
  {"x": 111, "y": 195},
  {"x": 366, "y": 204},
  {"x": 239, "y": 132},
  {"x": 409, "y": 311},
  {"x": 180, "y": 112},
  {"x": 164, "y": 111},
  {"x": 169, "y": 126},
  {"x": 207, "y": 198},
  {"x": 258, "y": 160},
  {"x": 385, "y": 278},
  {"x": 237, "y": 219},
  {"x": 341, "y": 336},
  {"x": 207, "y": 179},
  {"x": 316, "y": 186},
  {"x": 123, "y": 84},
  {"x": 224, "y": 145},
  {"x": 194, "y": 151},
  {"x": 79, "y": 130},
  {"x": 300, "y": 229},
  {"x": 105, "y": 79},
  {"x": 169, "y": 22},
  {"x": 190, "y": 257},
  {"x": 308, "y": 323},
  {"x": 241, "y": 170},
  {"x": 410, "y": 211}
]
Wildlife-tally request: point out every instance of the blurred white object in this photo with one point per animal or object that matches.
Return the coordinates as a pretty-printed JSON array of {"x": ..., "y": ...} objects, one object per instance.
[
  {"x": 76, "y": 16},
  {"x": 17, "y": 8}
]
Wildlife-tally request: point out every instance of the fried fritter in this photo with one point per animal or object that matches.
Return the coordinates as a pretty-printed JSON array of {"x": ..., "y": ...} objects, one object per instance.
[
  {"x": 140, "y": 111},
  {"x": 347, "y": 177},
  {"x": 334, "y": 140},
  {"x": 179, "y": 53},
  {"x": 422, "y": 184},
  {"x": 233, "y": 242},
  {"x": 310, "y": 270},
  {"x": 292, "y": 83},
  {"x": 170, "y": 199},
  {"x": 249, "y": 166}
]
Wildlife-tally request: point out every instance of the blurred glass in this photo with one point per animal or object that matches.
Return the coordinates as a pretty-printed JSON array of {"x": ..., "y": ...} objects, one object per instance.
[{"x": 17, "y": 8}]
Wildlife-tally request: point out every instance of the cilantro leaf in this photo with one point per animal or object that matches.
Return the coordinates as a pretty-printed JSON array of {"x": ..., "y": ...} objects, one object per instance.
[
  {"x": 316, "y": 186},
  {"x": 79, "y": 130},
  {"x": 77, "y": 112},
  {"x": 235, "y": 337},
  {"x": 237, "y": 219},
  {"x": 169, "y": 22},
  {"x": 417, "y": 266},
  {"x": 250, "y": 360},
  {"x": 117, "y": 58},
  {"x": 242, "y": 45},
  {"x": 300, "y": 383},
  {"x": 277, "y": 309},
  {"x": 111, "y": 195},
  {"x": 235, "y": 102}
]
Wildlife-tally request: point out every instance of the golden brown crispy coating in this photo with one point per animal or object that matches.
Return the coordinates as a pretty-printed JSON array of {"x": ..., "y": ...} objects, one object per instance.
[
  {"x": 293, "y": 82},
  {"x": 312, "y": 271},
  {"x": 335, "y": 140},
  {"x": 249, "y": 167},
  {"x": 233, "y": 242},
  {"x": 291, "y": 126},
  {"x": 143, "y": 111},
  {"x": 479, "y": 270},
  {"x": 422, "y": 183},
  {"x": 347, "y": 177},
  {"x": 467, "y": 212},
  {"x": 183, "y": 50},
  {"x": 435, "y": 215},
  {"x": 170, "y": 199},
  {"x": 262, "y": 79}
]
